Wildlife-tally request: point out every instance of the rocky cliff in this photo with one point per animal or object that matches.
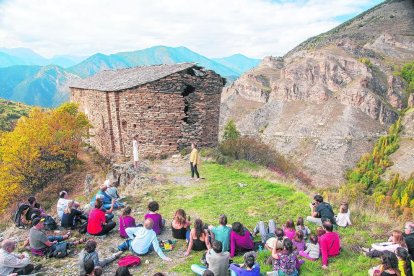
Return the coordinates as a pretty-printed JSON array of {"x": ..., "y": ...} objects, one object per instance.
[{"x": 325, "y": 102}]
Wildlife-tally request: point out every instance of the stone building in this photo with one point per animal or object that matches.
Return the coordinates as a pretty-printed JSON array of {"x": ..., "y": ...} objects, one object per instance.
[{"x": 167, "y": 106}]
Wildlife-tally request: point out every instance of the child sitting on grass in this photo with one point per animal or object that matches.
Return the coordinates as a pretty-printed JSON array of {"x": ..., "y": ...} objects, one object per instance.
[
  {"x": 298, "y": 241},
  {"x": 159, "y": 223},
  {"x": 289, "y": 229},
  {"x": 312, "y": 249},
  {"x": 125, "y": 221},
  {"x": 286, "y": 262},
  {"x": 343, "y": 219},
  {"x": 300, "y": 225}
]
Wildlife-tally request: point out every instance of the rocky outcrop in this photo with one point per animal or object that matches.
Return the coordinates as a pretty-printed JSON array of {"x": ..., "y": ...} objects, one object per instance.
[{"x": 324, "y": 104}]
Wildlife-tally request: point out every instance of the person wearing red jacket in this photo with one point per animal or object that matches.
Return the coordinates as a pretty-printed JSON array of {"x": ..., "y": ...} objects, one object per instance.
[{"x": 329, "y": 244}]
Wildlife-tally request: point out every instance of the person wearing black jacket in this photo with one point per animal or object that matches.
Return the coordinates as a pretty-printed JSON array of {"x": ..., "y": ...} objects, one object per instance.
[{"x": 320, "y": 211}]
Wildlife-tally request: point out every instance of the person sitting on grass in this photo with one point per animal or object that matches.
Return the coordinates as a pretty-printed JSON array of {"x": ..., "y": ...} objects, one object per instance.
[
  {"x": 222, "y": 233},
  {"x": 300, "y": 225},
  {"x": 409, "y": 237},
  {"x": 343, "y": 218},
  {"x": 90, "y": 253},
  {"x": 320, "y": 211},
  {"x": 143, "y": 240},
  {"x": 388, "y": 266},
  {"x": 395, "y": 241},
  {"x": 320, "y": 231},
  {"x": 218, "y": 261},
  {"x": 180, "y": 226},
  {"x": 123, "y": 271},
  {"x": 286, "y": 261},
  {"x": 240, "y": 239},
  {"x": 90, "y": 269},
  {"x": 249, "y": 268},
  {"x": 289, "y": 229},
  {"x": 107, "y": 200},
  {"x": 14, "y": 263},
  {"x": 159, "y": 222},
  {"x": 98, "y": 224},
  {"x": 298, "y": 241},
  {"x": 405, "y": 262},
  {"x": 71, "y": 216},
  {"x": 198, "y": 240},
  {"x": 312, "y": 249},
  {"x": 62, "y": 203},
  {"x": 265, "y": 232},
  {"x": 40, "y": 244},
  {"x": 35, "y": 206},
  {"x": 329, "y": 243},
  {"x": 126, "y": 221}
]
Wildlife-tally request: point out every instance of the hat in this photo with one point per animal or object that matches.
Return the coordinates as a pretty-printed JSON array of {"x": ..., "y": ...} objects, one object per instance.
[{"x": 36, "y": 221}]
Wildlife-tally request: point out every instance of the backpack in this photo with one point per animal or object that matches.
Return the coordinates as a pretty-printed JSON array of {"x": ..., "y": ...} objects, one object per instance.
[
  {"x": 17, "y": 217},
  {"x": 61, "y": 250},
  {"x": 129, "y": 261},
  {"x": 50, "y": 224}
]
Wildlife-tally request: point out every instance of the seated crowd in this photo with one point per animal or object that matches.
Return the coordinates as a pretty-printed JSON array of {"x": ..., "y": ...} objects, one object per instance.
[{"x": 289, "y": 246}]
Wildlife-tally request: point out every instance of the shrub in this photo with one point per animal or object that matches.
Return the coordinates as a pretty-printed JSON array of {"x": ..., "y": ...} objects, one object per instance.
[
  {"x": 230, "y": 131},
  {"x": 366, "y": 61},
  {"x": 250, "y": 149}
]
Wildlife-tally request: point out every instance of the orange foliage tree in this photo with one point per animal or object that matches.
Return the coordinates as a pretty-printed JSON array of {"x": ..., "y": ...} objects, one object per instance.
[{"x": 41, "y": 147}]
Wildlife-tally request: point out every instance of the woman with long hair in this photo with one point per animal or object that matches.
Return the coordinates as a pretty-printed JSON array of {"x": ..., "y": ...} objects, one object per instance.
[
  {"x": 395, "y": 241},
  {"x": 388, "y": 266},
  {"x": 180, "y": 225},
  {"x": 198, "y": 238}
]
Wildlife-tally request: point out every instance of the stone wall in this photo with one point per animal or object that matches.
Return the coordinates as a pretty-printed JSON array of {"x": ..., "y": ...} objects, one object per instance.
[{"x": 167, "y": 114}]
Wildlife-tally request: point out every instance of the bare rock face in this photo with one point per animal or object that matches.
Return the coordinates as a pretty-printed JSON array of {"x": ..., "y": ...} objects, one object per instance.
[{"x": 326, "y": 102}]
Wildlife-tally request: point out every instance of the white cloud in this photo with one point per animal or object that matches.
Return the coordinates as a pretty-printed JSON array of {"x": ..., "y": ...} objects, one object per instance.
[{"x": 214, "y": 28}]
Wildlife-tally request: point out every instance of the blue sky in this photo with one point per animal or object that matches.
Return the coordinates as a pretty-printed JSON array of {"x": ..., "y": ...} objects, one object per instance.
[{"x": 214, "y": 28}]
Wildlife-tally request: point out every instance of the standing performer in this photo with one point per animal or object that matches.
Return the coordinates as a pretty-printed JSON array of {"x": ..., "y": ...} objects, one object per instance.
[
  {"x": 135, "y": 151},
  {"x": 194, "y": 161}
]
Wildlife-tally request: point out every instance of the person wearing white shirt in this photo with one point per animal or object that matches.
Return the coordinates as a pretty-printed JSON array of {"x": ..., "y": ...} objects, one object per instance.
[
  {"x": 62, "y": 203},
  {"x": 343, "y": 219},
  {"x": 143, "y": 240}
]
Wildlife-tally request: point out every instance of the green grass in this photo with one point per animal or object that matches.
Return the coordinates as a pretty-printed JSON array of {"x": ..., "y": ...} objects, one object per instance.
[{"x": 258, "y": 199}]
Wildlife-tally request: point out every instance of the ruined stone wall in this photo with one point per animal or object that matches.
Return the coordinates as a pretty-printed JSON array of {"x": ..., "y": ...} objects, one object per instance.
[
  {"x": 167, "y": 114},
  {"x": 95, "y": 105}
]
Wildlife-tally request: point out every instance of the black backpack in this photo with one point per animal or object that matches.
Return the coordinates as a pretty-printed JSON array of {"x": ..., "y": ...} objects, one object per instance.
[
  {"x": 50, "y": 224},
  {"x": 17, "y": 217}
]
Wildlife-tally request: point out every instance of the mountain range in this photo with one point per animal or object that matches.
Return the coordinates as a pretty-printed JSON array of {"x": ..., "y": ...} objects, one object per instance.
[
  {"x": 32, "y": 79},
  {"x": 325, "y": 103}
]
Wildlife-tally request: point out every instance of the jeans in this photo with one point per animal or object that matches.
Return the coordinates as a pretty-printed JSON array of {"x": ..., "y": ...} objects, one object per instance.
[
  {"x": 187, "y": 235},
  {"x": 265, "y": 232},
  {"x": 194, "y": 170},
  {"x": 198, "y": 269},
  {"x": 317, "y": 221},
  {"x": 126, "y": 245}
]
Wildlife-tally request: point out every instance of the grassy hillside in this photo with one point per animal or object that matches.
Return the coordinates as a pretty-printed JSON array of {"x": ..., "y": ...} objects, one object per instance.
[
  {"x": 242, "y": 191},
  {"x": 10, "y": 112}
]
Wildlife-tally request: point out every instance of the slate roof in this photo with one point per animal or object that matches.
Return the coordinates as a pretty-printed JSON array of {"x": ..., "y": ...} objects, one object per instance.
[{"x": 115, "y": 80}]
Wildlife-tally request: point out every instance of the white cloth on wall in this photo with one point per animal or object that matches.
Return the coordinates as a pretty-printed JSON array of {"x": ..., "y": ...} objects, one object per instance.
[{"x": 135, "y": 149}]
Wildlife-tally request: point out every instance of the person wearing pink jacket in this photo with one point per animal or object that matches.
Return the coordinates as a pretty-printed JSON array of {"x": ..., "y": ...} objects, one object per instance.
[{"x": 329, "y": 244}]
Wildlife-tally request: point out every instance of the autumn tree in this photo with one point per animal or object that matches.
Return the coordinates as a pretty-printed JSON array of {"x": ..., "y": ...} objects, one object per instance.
[{"x": 41, "y": 147}]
